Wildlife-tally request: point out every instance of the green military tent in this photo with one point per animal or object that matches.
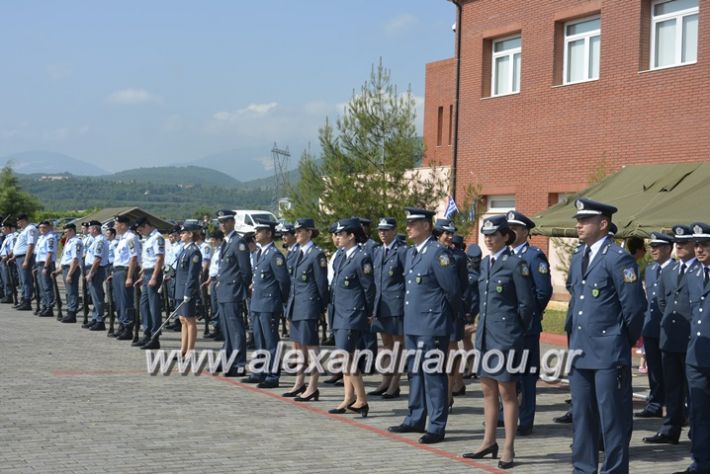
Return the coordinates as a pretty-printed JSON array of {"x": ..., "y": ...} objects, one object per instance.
[
  {"x": 649, "y": 198},
  {"x": 107, "y": 214}
]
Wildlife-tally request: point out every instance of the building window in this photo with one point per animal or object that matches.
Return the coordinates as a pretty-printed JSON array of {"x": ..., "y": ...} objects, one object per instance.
[
  {"x": 451, "y": 121},
  {"x": 674, "y": 33},
  {"x": 506, "y": 66},
  {"x": 439, "y": 125},
  {"x": 582, "y": 48},
  {"x": 502, "y": 203}
]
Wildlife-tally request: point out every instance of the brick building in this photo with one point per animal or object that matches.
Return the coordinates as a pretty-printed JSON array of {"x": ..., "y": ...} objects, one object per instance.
[{"x": 554, "y": 92}]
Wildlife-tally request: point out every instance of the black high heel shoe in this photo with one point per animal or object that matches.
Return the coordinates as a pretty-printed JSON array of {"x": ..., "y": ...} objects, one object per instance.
[
  {"x": 336, "y": 411},
  {"x": 391, "y": 396},
  {"x": 451, "y": 405},
  {"x": 506, "y": 464},
  {"x": 313, "y": 396},
  {"x": 492, "y": 450},
  {"x": 377, "y": 392},
  {"x": 363, "y": 410},
  {"x": 293, "y": 393},
  {"x": 459, "y": 392}
]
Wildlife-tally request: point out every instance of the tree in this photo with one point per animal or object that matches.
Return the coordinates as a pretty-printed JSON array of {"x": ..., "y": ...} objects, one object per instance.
[
  {"x": 367, "y": 163},
  {"x": 13, "y": 200}
]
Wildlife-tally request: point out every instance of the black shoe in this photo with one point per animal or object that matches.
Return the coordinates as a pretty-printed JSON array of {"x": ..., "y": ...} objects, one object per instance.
[
  {"x": 151, "y": 344},
  {"x": 505, "y": 464},
  {"x": 219, "y": 337},
  {"x": 431, "y": 438},
  {"x": 390, "y": 396},
  {"x": 88, "y": 325},
  {"x": 296, "y": 392},
  {"x": 313, "y": 396},
  {"x": 126, "y": 334},
  {"x": 336, "y": 411},
  {"x": 525, "y": 430},
  {"x": 334, "y": 379},
  {"x": 251, "y": 379},
  {"x": 659, "y": 438},
  {"x": 377, "y": 392},
  {"x": 363, "y": 410},
  {"x": 268, "y": 384},
  {"x": 566, "y": 418},
  {"x": 646, "y": 413},
  {"x": 235, "y": 373},
  {"x": 492, "y": 450},
  {"x": 459, "y": 392},
  {"x": 140, "y": 342},
  {"x": 98, "y": 326},
  {"x": 25, "y": 306},
  {"x": 405, "y": 429},
  {"x": 69, "y": 319},
  {"x": 42, "y": 312},
  {"x": 48, "y": 313}
]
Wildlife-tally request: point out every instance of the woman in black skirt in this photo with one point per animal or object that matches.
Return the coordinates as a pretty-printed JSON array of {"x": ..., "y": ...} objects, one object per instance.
[{"x": 187, "y": 285}]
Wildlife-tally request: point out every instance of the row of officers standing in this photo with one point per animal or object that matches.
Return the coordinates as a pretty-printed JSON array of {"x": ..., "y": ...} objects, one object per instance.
[{"x": 425, "y": 296}]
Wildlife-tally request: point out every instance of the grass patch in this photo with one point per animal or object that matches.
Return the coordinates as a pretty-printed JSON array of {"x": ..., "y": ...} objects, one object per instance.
[{"x": 554, "y": 321}]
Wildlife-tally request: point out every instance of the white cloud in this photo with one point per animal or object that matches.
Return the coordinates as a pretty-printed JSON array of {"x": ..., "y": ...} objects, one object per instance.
[
  {"x": 401, "y": 24},
  {"x": 249, "y": 110},
  {"x": 131, "y": 97},
  {"x": 267, "y": 162}
]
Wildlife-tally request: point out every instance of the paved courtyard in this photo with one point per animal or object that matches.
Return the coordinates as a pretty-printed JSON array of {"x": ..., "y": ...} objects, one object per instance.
[{"x": 77, "y": 401}]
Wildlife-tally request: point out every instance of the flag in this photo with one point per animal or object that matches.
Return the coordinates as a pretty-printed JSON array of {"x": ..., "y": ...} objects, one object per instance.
[{"x": 451, "y": 208}]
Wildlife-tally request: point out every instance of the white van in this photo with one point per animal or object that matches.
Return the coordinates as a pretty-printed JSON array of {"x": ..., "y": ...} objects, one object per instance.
[{"x": 244, "y": 220}]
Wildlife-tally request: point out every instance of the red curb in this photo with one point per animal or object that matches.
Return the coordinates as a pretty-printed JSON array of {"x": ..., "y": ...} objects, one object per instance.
[
  {"x": 372, "y": 429},
  {"x": 553, "y": 339}
]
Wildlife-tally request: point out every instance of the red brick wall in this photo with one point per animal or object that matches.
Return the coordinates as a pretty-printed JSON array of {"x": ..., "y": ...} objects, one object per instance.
[{"x": 552, "y": 138}]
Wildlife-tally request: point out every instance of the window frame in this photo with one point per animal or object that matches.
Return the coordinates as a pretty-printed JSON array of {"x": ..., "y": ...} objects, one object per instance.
[
  {"x": 587, "y": 41},
  {"x": 511, "y": 54},
  {"x": 678, "y": 16},
  {"x": 499, "y": 210}
]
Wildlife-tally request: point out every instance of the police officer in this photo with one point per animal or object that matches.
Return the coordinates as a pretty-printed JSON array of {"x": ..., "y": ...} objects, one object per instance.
[
  {"x": 270, "y": 289},
  {"x": 353, "y": 300},
  {"x": 471, "y": 301},
  {"x": 124, "y": 270},
  {"x": 96, "y": 274},
  {"x": 674, "y": 334},
  {"x": 606, "y": 314},
  {"x": 541, "y": 281},
  {"x": 23, "y": 256},
  {"x": 661, "y": 248},
  {"x": 698, "y": 355},
  {"x": 45, "y": 258},
  {"x": 430, "y": 305},
  {"x": 307, "y": 300},
  {"x": 232, "y": 288},
  {"x": 70, "y": 268},
  {"x": 152, "y": 259},
  {"x": 369, "y": 337},
  {"x": 388, "y": 311},
  {"x": 172, "y": 253},
  {"x": 216, "y": 238},
  {"x": 7, "y": 267},
  {"x": 187, "y": 285}
]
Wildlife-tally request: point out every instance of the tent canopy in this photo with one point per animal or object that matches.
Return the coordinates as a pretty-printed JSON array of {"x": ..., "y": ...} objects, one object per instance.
[
  {"x": 107, "y": 214},
  {"x": 649, "y": 198}
]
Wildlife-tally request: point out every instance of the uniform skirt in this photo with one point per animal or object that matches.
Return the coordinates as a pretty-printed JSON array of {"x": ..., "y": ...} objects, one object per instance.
[
  {"x": 495, "y": 366},
  {"x": 305, "y": 332},
  {"x": 348, "y": 340},
  {"x": 189, "y": 309},
  {"x": 394, "y": 326},
  {"x": 458, "y": 330}
]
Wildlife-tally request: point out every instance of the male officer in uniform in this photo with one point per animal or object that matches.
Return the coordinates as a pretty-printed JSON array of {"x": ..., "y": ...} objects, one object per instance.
[
  {"x": 124, "y": 270},
  {"x": 675, "y": 332},
  {"x": 270, "y": 287},
  {"x": 369, "y": 337},
  {"x": 607, "y": 306},
  {"x": 45, "y": 259},
  {"x": 23, "y": 256},
  {"x": 96, "y": 262},
  {"x": 431, "y": 299},
  {"x": 216, "y": 239},
  {"x": 542, "y": 287},
  {"x": 153, "y": 256},
  {"x": 232, "y": 287},
  {"x": 698, "y": 357},
  {"x": 661, "y": 248},
  {"x": 8, "y": 268},
  {"x": 70, "y": 268}
]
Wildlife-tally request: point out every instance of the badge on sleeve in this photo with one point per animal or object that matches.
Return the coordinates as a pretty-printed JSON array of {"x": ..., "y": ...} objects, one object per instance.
[
  {"x": 242, "y": 247},
  {"x": 524, "y": 269},
  {"x": 543, "y": 268},
  {"x": 367, "y": 269},
  {"x": 131, "y": 244},
  {"x": 279, "y": 261},
  {"x": 323, "y": 262},
  {"x": 195, "y": 258},
  {"x": 629, "y": 275},
  {"x": 444, "y": 260}
]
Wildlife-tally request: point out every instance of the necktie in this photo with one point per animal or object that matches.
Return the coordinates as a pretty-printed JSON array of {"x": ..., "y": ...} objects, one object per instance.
[
  {"x": 493, "y": 262},
  {"x": 682, "y": 272},
  {"x": 258, "y": 255},
  {"x": 585, "y": 259},
  {"x": 707, "y": 276},
  {"x": 387, "y": 250},
  {"x": 658, "y": 272},
  {"x": 221, "y": 248}
]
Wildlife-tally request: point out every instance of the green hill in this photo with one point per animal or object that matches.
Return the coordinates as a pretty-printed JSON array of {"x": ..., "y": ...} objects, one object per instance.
[{"x": 174, "y": 175}]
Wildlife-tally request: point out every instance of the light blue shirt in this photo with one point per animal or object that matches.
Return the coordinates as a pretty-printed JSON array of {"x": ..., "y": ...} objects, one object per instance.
[
  {"x": 153, "y": 246},
  {"x": 45, "y": 244},
  {"x": 206, "y": 250},
  {"x": 112, "y": 244},
  {"x": 72, "y": 250},
  {"x": 99, "y": 248},
  {"x": 129, "y": 246},
  {"x": 214, "y": 265},
  {"x": 8, "y": 244},
  {"x": 26, "y": 237}
]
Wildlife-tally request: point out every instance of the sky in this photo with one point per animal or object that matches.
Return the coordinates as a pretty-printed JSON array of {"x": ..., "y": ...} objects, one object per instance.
[{"x": 124, "y": 84}]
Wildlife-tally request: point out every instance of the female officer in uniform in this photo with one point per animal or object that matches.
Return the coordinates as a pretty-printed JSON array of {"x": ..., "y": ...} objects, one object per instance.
[
  {"x": 353, "y": 298},
  {"x": 507, "y": 305},
  {"x": 187, "y": 285}
]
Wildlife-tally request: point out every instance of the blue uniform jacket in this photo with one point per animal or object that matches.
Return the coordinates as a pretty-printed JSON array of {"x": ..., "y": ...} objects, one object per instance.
[
  {"x": 389, "y": 280},
  {"x": 541, "y": 281},
  {"x": 235, "y": 274},
  {"x": 507, "y": 303},
  {"x": 271, "y": 282},
  {"x": 652, "y": 321},
  {"x": 460, "y": 262},
  {"x": 432, "y": 291},
  {"x": 308, "y": 296},
  {"x": 699, "y": 346},
  {"x": 353, "y": 291},
  {"x": 472, "y": 298},
  {"x": 370, "y": 247},
  {"x": 187, "y": 273},
  {"x": 607, "y": 307},
  {"x": 674, "y": 302}
]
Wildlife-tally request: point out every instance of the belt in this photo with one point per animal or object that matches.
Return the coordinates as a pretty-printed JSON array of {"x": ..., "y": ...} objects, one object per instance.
[
  {"x": 65, "y": 266},
  {"x": 18, "y": 256},
  {"x": 119, "y": 268}
]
